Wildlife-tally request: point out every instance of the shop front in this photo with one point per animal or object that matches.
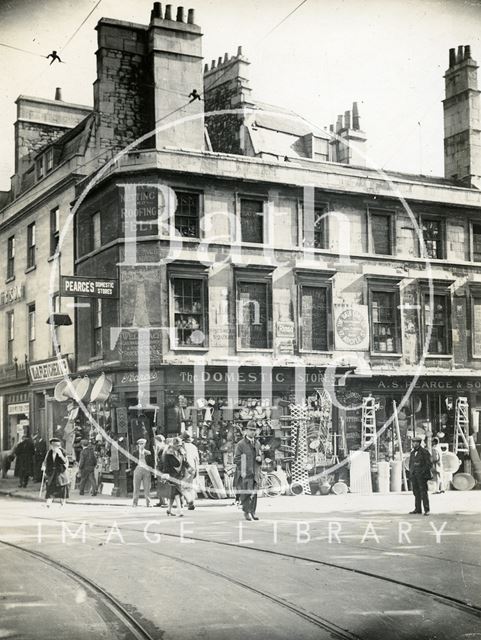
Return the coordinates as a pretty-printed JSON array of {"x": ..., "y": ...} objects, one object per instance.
[
  {"x": 14, "y": 405},
  {"x": 48, "y": 418},
  {"x": 429, "y": 409}
]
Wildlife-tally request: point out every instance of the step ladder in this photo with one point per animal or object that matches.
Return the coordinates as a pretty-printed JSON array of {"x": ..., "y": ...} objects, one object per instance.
[
  {"x": 398, "y": 441},
  {"x": 368, "y": 434},
  {"x": 461, "y": 426}
]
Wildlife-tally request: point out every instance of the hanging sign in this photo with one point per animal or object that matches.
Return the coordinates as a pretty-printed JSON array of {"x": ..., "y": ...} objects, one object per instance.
[
  {"x": 351, "y": 327},
  {"x": 81, "y": 287}
]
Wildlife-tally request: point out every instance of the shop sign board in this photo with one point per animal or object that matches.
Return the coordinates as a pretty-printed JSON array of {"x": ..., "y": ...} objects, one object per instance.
[
  {"x": 50, "y": 370},
  {"x": 131, "y": 349},
  {"x": 83, "y": 287},
  {"x": 351, "y": 327},
  {"x": 429, "y": 384},
  {"x": 132, "y": 378},
  {"x": 13, "y": 294},
  {"x": 20, "y": 408},
  {"x": 243, "y": 375}
]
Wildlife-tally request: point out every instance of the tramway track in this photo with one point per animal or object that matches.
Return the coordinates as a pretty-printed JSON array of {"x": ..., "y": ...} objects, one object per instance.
[
  {"x": 115, "y": 609},
  {"x": 444, "y": 599}
]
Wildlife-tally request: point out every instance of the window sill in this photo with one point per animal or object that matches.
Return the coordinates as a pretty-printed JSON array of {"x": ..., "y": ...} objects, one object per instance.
[
  {"x": 175, "y": 348},
  {"x": 55, "y": 256},
  {"x": 96, "y": 358},
  {"x": 247, "y": 350},
  {"x": 10, "y": 279},
  {"x": 385, "y": 354},
  {"x": 30, "y": 269},
  {"x": 438, "y": 356},
  {"x": 317, "y": 353}
]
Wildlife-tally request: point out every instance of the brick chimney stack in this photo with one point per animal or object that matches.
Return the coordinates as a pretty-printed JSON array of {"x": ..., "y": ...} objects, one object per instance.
[
  {"x": 462, "y": 119},
  {"x": 348, "y": 146},
  {"x": 175, "y": 47}
]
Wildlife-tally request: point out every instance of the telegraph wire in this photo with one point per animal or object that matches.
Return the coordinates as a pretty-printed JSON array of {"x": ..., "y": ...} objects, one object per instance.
[
  {"x": 32, "y": 53},
  {"x": 80, "y": 26},
  {"x": 284, "y": 19}
]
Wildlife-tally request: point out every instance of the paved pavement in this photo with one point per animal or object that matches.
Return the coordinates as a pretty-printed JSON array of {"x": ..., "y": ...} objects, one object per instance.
[{"x": 401, "y": 503}]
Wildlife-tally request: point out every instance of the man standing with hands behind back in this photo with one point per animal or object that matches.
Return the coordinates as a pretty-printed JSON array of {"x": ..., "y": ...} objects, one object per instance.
[
  {"x": 247, "y": 458},
  {"x": 420, "y": 469}
]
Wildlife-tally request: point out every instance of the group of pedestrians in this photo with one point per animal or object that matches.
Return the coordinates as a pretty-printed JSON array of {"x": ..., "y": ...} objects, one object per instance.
[{"x": 177, "y": 466}]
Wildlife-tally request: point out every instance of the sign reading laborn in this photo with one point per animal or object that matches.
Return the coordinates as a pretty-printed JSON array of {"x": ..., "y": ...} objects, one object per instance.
[{"x": 81, "y": 287}]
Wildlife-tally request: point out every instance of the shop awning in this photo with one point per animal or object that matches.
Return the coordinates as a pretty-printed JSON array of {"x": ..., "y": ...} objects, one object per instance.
[{"x": 59, "y": 319}]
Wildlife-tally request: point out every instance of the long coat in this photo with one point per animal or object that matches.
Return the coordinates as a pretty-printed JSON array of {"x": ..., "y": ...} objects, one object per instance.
[
  {"x": 245, "y": 461},
  {"x": 420, "y": 463},
  {"x": 24, "y": 456}
]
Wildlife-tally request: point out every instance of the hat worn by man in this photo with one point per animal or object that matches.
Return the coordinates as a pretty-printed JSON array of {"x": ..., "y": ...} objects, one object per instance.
[
  {"x": 84, "y": 443},
  {"x": 141, "y": 441},
  {"x": 251, "y": 425},
  {"x": 417, "y": 439},
  {"x": 54, "y": 440},
  {"x": 186, "y": 437}
]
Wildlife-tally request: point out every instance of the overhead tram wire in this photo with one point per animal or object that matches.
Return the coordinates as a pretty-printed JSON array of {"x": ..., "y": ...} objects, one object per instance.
[
  {"x": 217, "y": 83},
  {"x": 80, "y": 26},
  {"x": 32, "y": 53}
]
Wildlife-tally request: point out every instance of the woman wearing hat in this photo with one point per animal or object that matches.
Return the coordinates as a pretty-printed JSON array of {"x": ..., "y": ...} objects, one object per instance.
[
  {"x": 175, "y": 465},
  {"x": 55, "y": 467}
]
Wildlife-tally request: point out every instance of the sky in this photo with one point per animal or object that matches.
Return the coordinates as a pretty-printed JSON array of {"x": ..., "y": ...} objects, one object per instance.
[{"x": 388, "y": 55}]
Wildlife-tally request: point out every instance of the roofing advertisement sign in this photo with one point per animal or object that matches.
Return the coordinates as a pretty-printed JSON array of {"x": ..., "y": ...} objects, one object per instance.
[
  {"x": 351, "y": 327},
  {"x": 81, "y": 287}
]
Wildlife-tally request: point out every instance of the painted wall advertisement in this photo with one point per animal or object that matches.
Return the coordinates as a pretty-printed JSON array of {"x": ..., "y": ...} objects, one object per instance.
[{"x": 351, "y": 327}]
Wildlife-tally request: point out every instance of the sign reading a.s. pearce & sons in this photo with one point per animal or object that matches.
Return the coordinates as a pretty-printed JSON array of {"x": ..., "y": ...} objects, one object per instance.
[{"x": 82, "y": 287}]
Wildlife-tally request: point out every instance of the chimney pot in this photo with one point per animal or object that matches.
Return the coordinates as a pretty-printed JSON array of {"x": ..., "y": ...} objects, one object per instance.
[
  {"x": 239, "y": 50},
  {"x": 58, "y": 94},
  {"x": 226, "y": 57},
  {"x": 180, "y": 14},
  {"x": 467, "y": 52},
  {"x": 339, "y": 123},
  {"x": 212, "y": 64},
  {"x": 157, "y": 11},
  {"x": 168, "y": 12},
  {"x": 452, "y": 57},
  {"x": 460, "y": 55},
  {"x": 355, "y": 116},
  {"x": 219, "y": 61},
  {"x": 347, "y": 119},
  {"x": 206, "y": 67},
  {"x": 191, "y": 16}
]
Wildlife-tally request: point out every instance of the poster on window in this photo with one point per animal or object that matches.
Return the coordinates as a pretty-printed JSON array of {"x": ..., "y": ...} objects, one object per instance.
[{"x": 351, "y": 327}]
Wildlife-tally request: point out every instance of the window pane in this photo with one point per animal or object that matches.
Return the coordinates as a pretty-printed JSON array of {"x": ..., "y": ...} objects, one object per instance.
[
  {"x": 314, "y": 318},
  {"x": 381, "y": 233},
  {"x": 438, "y": 319},
  {"x": 383, "y": 321},
  {"x": 476, "y": 329},
  {"x": 477, "y": 242},
  {"x": 187, "y": 214},
  {"x": 432, "y": 235},
  {"x": 190, "y": 313},
  {"x": 254, "y": 315},
  {"x": 95, "y": 231},
  {"x": 252, "y": 221}
]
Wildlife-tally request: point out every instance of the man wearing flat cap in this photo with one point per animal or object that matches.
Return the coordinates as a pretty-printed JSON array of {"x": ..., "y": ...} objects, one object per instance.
[
  {"x": 247, "y": 458},
  {"x": 142, "y": 464},
  {"x": 86, "y": 467},
  {"x": 420, "y": 470}
]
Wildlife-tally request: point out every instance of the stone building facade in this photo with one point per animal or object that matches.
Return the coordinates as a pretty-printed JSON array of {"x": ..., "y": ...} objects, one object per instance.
[{"x": 258, "y": 253}]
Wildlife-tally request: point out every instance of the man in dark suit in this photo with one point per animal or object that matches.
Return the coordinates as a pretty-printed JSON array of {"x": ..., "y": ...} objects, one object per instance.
[
  {"x": 420, "y": 469},
  {"x": 247, "y": 458}
]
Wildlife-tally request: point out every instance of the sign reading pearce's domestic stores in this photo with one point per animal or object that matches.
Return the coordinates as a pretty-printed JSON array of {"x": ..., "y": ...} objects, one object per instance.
[{"x": 81, "y": 287}]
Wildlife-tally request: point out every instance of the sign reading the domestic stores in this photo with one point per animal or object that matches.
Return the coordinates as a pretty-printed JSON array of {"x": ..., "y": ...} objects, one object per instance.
[{"x": 81, "y": 287}]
